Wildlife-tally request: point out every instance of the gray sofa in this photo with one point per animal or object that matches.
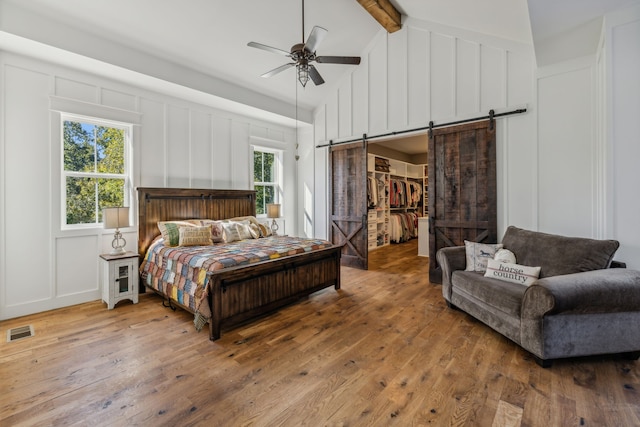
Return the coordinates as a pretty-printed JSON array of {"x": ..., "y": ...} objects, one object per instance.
[{"x": 578, "y": 306}]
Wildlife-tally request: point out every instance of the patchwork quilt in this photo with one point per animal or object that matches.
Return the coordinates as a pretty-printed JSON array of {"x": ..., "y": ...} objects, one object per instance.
[{"x": 180, "y": 272}]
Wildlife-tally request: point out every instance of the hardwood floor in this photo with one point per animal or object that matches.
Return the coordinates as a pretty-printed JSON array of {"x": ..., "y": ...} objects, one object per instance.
[{"x": 384, "y": 350}]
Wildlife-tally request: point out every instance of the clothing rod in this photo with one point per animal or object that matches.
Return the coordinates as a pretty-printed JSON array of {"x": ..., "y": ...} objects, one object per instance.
[{"x": 431, "y": 126}]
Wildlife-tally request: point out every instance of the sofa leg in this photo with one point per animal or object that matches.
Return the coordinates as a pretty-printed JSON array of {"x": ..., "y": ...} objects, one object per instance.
[
  {"x": 451, "y": 306},
  {"x": 544, "y": 363},
  {"x": 632, "y": 355}
]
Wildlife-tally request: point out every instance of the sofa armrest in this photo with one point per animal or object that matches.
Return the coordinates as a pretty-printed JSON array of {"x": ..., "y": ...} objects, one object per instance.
[
  {"x": 450, "y": 259},
  {"x": 593, "y": 292},
  {"x": 598, "y": 291}
]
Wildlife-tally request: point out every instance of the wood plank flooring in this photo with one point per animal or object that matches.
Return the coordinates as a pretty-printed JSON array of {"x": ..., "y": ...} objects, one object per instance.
[{"x": 382, "y": 351}]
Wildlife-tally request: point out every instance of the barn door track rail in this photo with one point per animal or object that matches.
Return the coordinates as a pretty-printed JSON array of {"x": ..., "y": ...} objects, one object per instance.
[{"x": 491, "y": 116}]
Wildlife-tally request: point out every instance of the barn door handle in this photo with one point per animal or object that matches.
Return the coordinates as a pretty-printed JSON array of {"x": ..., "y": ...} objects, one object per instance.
[{"x": 432, "y": 221}]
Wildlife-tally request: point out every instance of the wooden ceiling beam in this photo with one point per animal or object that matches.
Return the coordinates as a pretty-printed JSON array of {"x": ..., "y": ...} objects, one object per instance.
[{"x": 383, "y": 12}]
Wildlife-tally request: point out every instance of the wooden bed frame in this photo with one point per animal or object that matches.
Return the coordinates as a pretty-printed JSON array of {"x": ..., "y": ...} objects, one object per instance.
[{"x": 239, "y": 293}]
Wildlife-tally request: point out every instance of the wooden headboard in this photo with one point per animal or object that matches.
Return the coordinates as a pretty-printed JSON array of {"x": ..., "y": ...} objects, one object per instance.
[{"x": 164, "y": 204}]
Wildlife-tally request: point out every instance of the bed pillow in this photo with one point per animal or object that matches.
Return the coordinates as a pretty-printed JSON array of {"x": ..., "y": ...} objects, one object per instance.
[
  {"x": 231, "y": 233},
  {"x": 250, "y": 218},
  {"x": 217, "y": 232},
  {"x": 255, "y": 231},
  {"x": 514, "y": 273},
  {"x": 265, "y": 230},
  {"x": 478, "y": 254},
  {"x": 244, "y": 229},
  {"x": 195, "y": 236},
  {"x": 170, "y": 231}
]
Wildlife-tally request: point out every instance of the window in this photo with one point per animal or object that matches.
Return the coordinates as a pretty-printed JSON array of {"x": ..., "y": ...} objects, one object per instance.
[
  {"x": 95, "y": 169},
  {"x": 266, "y": 177}
]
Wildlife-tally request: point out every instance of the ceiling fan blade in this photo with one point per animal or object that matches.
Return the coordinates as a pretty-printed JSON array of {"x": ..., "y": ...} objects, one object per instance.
[
  {"x": 277, "y": 70},
  {"x": 338, "y": 60},
  {"x": 315, "y": 75},
  {"x": 269, "y": 48},
  {"x": 315, "y": 38}
]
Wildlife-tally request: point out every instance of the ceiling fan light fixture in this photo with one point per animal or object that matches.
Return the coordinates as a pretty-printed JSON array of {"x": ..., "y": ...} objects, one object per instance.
[
  {"x": 303, "y": 54},
  {"x": 303, "y": 74}
]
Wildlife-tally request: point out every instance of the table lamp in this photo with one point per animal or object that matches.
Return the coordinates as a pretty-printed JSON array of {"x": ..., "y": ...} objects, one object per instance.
[
  {"x": 273, "y": 212},
  {"x": 116, "y": 218}
]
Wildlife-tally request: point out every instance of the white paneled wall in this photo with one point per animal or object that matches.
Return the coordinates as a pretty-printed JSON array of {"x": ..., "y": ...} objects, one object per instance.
[
  {"x": 176, "y": 144},
  {"x": 426, "y": 72},
  {"x": 566, "y": 149},
  {"x": 622, "y": 36}
]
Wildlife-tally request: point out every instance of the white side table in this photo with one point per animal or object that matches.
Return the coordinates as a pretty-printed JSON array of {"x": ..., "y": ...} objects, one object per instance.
[{"x": 119, "y": 277}]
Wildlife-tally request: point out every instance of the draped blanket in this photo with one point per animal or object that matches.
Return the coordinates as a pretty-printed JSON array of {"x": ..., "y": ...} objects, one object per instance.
[{"x": 180, "y": 273}]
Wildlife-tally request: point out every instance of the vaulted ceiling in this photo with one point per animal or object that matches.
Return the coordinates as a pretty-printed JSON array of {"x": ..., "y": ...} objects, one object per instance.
[{"x": 203, "y": 43}]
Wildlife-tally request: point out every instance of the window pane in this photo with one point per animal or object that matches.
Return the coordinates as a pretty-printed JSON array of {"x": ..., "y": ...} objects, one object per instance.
[
  {"x": 264, "y": 195},
  {"x": 79, "y": 149},
  {"x": 260, "y": 206},
  {"x": 269, "y": 167},
  {"x": 110, "y": 194},
  {"x": 269, "y": 195},
  {"x": 257, "y": 166},
  {"x": 81, "y": 200},
  {"x": 110, "y": 150}
]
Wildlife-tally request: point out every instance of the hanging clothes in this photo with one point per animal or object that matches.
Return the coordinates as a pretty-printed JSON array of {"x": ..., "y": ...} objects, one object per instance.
[
  {"x": 403, "y": 226},
  {"x": 404, "y": 193},
  {"x": 376, "y": 192}
]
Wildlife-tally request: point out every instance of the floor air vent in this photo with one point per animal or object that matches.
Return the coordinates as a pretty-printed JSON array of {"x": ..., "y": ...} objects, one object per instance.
[{"x": 16, "y": 334}]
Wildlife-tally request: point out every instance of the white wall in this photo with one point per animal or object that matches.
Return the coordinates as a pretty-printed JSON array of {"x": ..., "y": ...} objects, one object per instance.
[
  {"x": 177, "y": 144},
  {"x": 431, "y": 72},
  {"x": 567, "y": 150},
  {"x": 588, "y": 140},
  {"x": 622, "y": 46}
]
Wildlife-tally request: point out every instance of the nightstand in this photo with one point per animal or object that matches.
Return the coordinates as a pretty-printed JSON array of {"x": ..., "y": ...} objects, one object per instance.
[{"x": 119, "y": 277}]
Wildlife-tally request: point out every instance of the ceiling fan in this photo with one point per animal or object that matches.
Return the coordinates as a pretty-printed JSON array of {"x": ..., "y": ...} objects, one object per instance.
[{"x": 303, "y": 54}]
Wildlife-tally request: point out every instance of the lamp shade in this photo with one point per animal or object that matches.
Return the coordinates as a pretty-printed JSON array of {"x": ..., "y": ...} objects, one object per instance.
[
  {"x": 273, "y": 210},
  {"x": 115, "y": 217}
]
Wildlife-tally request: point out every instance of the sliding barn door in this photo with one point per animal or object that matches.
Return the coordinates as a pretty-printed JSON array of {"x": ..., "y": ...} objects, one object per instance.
[
  {"x": 462, "y": 188},
  {"x": 348, "y": 199}
]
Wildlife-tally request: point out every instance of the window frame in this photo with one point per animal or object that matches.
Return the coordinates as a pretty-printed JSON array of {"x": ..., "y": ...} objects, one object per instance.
[
  {"x": 127, "y": 128},
  {"x": 278, "y": 175}
]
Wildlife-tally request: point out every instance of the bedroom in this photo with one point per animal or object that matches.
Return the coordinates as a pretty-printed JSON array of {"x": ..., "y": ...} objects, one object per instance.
[{"x": 569, "y": 165}]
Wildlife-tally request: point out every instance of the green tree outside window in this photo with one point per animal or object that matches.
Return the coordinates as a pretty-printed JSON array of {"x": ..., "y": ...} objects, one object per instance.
[
  {"x": 264, "y": 177},
  {"x": 94, "y": 170}
]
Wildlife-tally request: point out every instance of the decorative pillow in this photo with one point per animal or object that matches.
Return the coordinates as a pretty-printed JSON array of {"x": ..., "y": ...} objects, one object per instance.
[
  {"x": 265, "y": 230},
  {"x": 216, "y": 228},
  {"x": 514, "y": 273},
  {"x": 505, "y": 255},
  {"x": 250, "y": 218},
  {"x": 255, "y": 230},
  {"x": 170, "y": 231},
  {"x": 244, "y": 229},
  {"x": 231, "y": 233},
  {"x": 195, "y": 236},
  {"x": 478, "y": 254}
]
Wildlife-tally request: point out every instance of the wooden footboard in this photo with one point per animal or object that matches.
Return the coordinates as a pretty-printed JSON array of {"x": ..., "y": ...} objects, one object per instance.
[{"x": 239, "y": 293}]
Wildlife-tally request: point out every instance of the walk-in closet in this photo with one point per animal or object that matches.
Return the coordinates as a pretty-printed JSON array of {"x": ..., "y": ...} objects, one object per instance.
[{"x": 397, "y": 193}]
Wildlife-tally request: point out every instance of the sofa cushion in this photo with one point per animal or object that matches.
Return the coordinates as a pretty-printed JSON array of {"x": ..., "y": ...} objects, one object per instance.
[
  {"x": 557, "y": 255},
  {"x": 503, "y": 296}
]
